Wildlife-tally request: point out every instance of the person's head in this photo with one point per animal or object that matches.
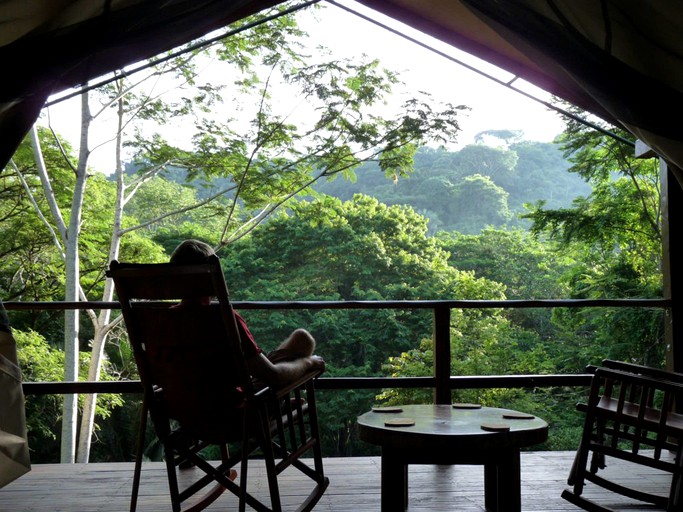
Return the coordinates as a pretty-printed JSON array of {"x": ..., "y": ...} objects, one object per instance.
[{"x": 191, "y": 252}]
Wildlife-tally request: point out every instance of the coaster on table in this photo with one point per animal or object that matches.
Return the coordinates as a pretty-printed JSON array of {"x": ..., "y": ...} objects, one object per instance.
[
  {"x": 495, "y": 427},
  {"x": 387, "y": 409},
  {"x": 466, "y": 406},
  {"x": 518, "y": 416},
  {"x": 400, "y": 422}
]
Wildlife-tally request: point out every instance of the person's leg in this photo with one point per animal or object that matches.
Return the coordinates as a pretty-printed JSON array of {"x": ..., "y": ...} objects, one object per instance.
[{"x": 299, "y": 344}]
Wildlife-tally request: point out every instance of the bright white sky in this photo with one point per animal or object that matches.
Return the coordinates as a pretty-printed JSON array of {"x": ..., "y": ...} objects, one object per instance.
[{"x": 494, "y": 107}]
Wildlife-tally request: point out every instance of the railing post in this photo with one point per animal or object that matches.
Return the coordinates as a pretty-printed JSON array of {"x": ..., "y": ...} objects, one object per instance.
[
  {"x": 442, "y": 354},
  {"x": 672, "y": 193}
]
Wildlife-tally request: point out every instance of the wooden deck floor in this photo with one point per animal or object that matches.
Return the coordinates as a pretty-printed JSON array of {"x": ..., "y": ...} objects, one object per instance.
[{"x": 354, "y": 486}]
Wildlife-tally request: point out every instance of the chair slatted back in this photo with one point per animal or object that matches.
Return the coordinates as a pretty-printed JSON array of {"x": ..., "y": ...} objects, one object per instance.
[
  {"x": 189, "y": 356},
  {"x": 636, "y": 409}
]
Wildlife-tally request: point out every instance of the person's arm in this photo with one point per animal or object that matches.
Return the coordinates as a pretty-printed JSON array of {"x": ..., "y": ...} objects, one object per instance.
[{"x": 280, "y": 374}]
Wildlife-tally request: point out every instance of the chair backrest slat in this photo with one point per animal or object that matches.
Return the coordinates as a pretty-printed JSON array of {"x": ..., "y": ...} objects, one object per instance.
[{"x": 189, "y": 355}]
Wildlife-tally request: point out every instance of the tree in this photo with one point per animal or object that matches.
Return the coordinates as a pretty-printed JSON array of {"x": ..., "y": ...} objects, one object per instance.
[
  {"x": 250, "y": 165},
  {"x": 354, "y": 250},
  {"x": 541, "y": 174},
  {"x": 614, "y": 235},
  {"x": 41, "y": 362},
  {"x": 506, "y": 136},
  {"x": 538, "y": 172},
  {"x": 496, "y": 163},
  {"x": 478, "y": 201},
  {"x": 529, "y": 268}
]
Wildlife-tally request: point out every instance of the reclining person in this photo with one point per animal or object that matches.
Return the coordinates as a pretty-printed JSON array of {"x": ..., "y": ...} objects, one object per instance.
[{"x": 290, "y": 361}]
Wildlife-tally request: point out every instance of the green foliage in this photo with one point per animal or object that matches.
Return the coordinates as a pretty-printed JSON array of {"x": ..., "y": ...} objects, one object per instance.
[
  {"x": 473, "y": 188},
  {"x": 614, "y": 237},
  {"x": 26, "y": 245},
  {"x": 258, "y": 161},
  {"x": 355, "y": 250},
  {"x": 529, "y": 268},
  {"x": 491, "y": 200},
  {"x": 41, "y": 362}
]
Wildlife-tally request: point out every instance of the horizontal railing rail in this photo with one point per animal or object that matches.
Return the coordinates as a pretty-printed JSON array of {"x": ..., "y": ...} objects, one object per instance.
[
  {"x": 337, "y": 383},
  {"x": 442, "y": 382},
  {"x": 375, "y": 304}
]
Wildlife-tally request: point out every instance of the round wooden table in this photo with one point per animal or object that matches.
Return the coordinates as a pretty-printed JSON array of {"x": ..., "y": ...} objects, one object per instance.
[{"x": 452, "y": 434}]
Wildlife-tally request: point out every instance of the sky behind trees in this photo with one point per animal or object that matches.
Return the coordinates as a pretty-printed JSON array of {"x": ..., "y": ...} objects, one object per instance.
[{"x": 493, "y": 106}]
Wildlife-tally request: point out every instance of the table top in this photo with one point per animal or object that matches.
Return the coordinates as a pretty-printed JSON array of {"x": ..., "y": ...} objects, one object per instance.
[{"x": 460, "y": 426}]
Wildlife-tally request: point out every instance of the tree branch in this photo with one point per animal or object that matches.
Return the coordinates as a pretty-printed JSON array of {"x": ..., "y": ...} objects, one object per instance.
[
  {"x": 47, "y": 187},
  {"x": 55, "y": 237}
]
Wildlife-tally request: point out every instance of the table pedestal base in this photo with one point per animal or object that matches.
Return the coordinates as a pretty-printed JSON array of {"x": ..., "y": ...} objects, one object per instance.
[{"x": 502, "y": 482}]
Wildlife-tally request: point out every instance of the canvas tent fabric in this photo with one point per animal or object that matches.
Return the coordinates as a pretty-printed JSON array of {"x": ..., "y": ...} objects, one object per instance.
[
  {"x": 14, "y": 454},
  {"x": 621, "y": 60}
]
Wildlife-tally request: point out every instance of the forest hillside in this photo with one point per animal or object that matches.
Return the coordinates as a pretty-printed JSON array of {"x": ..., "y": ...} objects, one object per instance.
[{"x": 476, "y": 187}]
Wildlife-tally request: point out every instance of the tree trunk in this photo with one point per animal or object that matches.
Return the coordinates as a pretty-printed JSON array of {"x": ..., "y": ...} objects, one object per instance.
[
  {"x": 71, "y": 332},
  {"x": 72, "y": 292},
  {"x": 102, "y": 322}
]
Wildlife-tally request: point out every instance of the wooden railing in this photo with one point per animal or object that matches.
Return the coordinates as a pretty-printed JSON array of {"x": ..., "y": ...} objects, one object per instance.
[{"x": 442, "y": 382}]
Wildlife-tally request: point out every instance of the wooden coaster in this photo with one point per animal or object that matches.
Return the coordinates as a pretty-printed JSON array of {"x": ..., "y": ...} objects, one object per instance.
[
  {"x": 387, "y": 409},
  {"x": 399, "y": 422},
  {"x": 466, "y": 406},
  {"x": 518, "y": 416},
  {"x": 495, "y": 427}
]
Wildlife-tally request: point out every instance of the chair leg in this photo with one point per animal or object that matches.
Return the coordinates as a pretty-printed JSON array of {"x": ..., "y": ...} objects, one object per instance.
[
  {"x": 579, "y": 469},
  {"x": 244, "y": 466},
  {"x": 266, "y": 443},
  {"x": 243, "y": 483},
  {"x": 675, "y": 494},
  {"x": 138, "y": 456},
  {"x": 585, "y": 504},
  {"x": 315, "y": 433},
  {"x": 172, "y": 477}
]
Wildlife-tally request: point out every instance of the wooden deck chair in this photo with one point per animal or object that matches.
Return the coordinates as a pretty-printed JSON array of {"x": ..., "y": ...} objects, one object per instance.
[
  {"x": 199, "y": 392},
  {"x": 629, "y": 416}
]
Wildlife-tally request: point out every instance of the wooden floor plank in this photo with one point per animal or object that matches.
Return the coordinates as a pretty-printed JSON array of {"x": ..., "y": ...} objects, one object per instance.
[{"x": 354, "y": 486}]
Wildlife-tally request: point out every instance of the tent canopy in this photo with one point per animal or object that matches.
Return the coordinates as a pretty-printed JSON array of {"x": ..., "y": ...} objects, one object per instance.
[{"x": 621, "y": 60}]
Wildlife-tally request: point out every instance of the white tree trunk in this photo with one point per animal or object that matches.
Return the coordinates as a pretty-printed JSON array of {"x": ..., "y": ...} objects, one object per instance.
[
  {"x": 102, "y": 324},
  {"x": 71, "y": 317},
  {"x": 90, "y": 400},
  {"x": 71, "y": 331},
  {"x": 102, "y": 327},
  {"x": 72, "y": 290}
]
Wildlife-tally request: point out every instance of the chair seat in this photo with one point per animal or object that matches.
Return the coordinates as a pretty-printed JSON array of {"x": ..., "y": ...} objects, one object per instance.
[{"x": 651, "y": 420}]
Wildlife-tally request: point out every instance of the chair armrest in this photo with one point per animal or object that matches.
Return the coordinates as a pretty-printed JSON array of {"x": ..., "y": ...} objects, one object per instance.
[
  {"x": 305, "y": 378},
  {"x": 268, "y": 391}
]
